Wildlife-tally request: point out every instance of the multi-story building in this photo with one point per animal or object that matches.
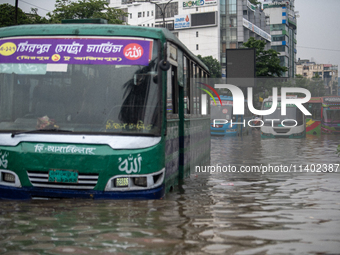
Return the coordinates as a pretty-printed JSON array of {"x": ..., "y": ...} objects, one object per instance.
[
  {"x": 207, "y": 27},
  {"x": 327, "y": 72},
  {"x": 282, "y": 18}
]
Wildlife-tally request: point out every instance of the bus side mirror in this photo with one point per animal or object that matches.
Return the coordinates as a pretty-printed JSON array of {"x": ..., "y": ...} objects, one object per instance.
[{"x": 164, "y": 64}]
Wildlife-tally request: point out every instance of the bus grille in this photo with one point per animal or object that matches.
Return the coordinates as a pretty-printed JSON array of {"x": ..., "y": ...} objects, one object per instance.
[
  {"x": 281, "y": 130},
  {"x": 40, "y": 179}
]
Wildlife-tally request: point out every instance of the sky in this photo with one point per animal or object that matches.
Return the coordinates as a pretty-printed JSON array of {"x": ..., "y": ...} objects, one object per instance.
[{"x": 318, "y": 27}]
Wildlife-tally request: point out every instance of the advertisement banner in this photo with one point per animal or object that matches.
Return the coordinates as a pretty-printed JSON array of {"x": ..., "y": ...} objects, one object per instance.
[
  {"x": 198, "y": 3},
  {"x": 95, "y": 51},
  {"x": 182, "y": 21}
]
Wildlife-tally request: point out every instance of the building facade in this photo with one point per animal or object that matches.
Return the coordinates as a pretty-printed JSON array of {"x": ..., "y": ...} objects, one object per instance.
[
  {"x": 327, "y": 72},
  {"x": 282, "y": 20},
  {"x": 207, "y": 28},
  {"x": 240, "y": 20}
]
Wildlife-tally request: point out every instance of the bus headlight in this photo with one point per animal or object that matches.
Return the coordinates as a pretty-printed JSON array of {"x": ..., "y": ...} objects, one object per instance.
[
  {"x": 140, "y": 181},
  {"x": 135, "y": 181},
  {"x": 9, "y": 178}
]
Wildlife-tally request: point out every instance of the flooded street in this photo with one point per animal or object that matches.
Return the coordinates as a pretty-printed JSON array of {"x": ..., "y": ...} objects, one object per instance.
[{"x": 211, "y": 213}]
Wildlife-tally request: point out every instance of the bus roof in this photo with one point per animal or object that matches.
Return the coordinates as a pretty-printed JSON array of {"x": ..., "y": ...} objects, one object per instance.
[
  {"x": 315, "y": 100},
  {"x": 97, "y": 30},
  {"x": 224, "y": 98},
  {"x": 270, "y": 98},
  {"x": 331, "y": 100}
]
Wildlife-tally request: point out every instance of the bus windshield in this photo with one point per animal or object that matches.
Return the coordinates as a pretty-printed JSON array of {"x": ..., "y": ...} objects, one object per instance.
[
  {"x": 331, "y": 115},
  {"x": 100, "y": 98},
  {"x": 292, "y": 113},
  {"x": 221, "y": 112}
]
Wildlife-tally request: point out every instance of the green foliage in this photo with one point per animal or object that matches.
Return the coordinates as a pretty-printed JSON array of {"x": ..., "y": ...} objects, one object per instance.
[
  {"x": 267, "y": 61},
  {"x": 213, "y": 65},
  {"x": 35, "y": 18},
  {"x": 315, "y": 86},
  {"x": 254, "y": 2},
  {"x": 264, "y": 87},
  {"x": 85, "y": 9},
  {"x": 7, "y": 16}
]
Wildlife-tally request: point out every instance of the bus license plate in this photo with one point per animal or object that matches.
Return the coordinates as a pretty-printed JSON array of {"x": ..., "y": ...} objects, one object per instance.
[
  {"x": 63, "y": 176},
  {"x": 122, "y": 182}
]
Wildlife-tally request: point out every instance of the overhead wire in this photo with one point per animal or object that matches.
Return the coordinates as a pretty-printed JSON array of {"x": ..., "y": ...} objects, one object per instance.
[{"x": 35, "y": 6}]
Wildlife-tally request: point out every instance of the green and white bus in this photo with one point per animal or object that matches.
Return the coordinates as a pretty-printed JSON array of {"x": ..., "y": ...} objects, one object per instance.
[{"x": 98, "y": 111}]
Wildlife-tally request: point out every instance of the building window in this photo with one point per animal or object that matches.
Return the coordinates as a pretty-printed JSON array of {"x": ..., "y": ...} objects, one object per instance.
[
  {"x": 130, "y": 15},
  {"x": 147, "y": 13},
  {"x": 196, "y": 33},
  {"x": 170, "y": 11},
  {"x": 196, "y": 46},
  {"x": 151, "y": 13},
  {"x": 139, "y": 14},
  {"x": 143, "y": 14}
]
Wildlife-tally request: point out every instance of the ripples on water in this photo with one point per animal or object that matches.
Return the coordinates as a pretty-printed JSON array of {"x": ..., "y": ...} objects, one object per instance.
[{"x": 220, "y": 213}]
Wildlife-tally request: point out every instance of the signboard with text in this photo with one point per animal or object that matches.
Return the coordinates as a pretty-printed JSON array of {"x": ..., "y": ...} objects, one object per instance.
[
  {"x": 75, "y": 50},
  {"x": 182, "y": 21},
  {"x": 198, "y": 3}
]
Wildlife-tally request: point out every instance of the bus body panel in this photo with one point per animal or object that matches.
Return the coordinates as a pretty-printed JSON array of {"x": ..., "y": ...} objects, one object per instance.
[{"x": 325, "y": 117}]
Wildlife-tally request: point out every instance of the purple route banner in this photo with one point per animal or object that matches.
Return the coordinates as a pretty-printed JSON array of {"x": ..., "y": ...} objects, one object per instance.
[{"x": 79, "y": 50}]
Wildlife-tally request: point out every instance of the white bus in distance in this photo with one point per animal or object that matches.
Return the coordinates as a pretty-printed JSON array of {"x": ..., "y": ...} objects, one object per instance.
[{"x": 276, "y": 125}]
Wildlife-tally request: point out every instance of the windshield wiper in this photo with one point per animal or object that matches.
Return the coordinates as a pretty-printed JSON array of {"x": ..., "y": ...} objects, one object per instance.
[{"x": 41, "y": 130}]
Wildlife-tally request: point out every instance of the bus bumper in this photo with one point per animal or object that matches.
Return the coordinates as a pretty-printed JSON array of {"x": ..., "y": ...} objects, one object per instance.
[{"x": 27, "y": 193}]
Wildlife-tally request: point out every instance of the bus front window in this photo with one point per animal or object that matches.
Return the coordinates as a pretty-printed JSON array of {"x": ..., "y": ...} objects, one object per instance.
[
  {"x": 79, "y": 98},
  {"x": 221, "y": 112},
  {"x": 292, "y": 113},
  {"x": 331, "y": 115}
]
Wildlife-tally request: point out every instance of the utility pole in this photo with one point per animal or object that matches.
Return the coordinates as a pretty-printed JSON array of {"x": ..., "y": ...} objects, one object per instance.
[
  {"x": 16, "y": 13},
  {"x": 162, "y": 10}
]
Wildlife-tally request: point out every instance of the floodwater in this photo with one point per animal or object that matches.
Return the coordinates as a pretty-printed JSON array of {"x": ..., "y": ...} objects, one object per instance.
[{"x": 211, "y": 213}]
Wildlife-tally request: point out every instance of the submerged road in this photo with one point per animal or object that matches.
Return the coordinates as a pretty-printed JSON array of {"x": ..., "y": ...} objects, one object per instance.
[{"x": 228, "y": 212}]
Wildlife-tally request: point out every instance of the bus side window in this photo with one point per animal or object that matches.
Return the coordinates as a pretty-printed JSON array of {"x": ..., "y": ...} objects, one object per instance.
[
  {"x": 172, "y": 91},
  {"x": 169, "y": 107},
  {"x": 174, "y": 84},
  {"x": 186, "y": 85},
  {"x": 316, "y": 112}
]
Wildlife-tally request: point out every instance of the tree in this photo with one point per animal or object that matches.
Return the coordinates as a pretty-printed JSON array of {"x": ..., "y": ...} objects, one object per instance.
[
  {"x": 213, "y": 65},
  {"x": 267, "y": 61},
  {"x": 254, "y": 2},
  {"x": 7, "y": 16},
  {"x": 85, "y": 9},
  {"x": 35, "y": 18}
]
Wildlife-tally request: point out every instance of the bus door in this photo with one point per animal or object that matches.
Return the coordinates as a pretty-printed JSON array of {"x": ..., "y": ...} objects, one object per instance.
[{"x": 173, "y": 126}]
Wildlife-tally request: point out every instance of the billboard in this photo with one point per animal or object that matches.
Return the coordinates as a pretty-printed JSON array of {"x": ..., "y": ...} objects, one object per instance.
[
  {"x": 203, "y": 19},
  {"x": 241, "y": 64},
  {"x": 198, "y": 3},
  {"x": 182, "y": 21}
]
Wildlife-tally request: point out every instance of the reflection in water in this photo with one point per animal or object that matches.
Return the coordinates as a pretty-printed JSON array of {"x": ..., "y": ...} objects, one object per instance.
[{"x": 217, "y": 213}]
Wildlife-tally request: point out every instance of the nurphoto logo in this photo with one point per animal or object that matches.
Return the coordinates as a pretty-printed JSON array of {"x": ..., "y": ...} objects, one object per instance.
[{"x": 239, "y": 99}]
